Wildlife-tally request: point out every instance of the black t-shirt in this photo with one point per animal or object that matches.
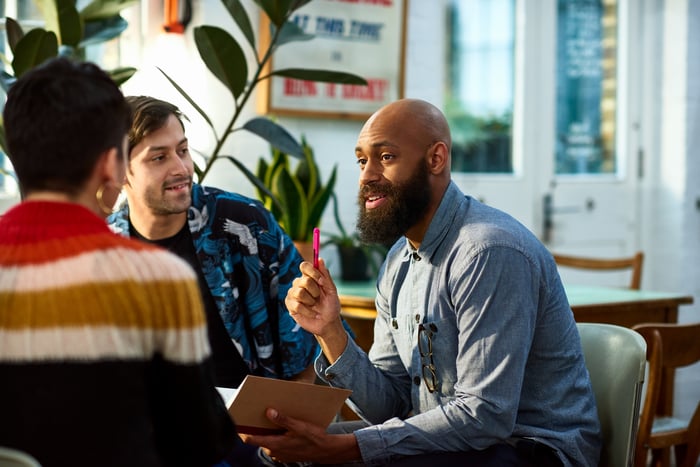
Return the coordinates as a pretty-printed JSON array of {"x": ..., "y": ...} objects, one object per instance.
[{"x": 228, "y": 363}]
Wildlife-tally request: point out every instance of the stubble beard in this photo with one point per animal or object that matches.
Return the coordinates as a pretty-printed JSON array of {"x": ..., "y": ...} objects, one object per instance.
[
  {"x": 406, "y": 204},
  {"x": 164, "y": 202}
]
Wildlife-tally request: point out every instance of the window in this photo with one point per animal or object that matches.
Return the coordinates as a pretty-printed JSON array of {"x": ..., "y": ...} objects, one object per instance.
[
  {"x": 586, "y": 86},
  {"x": 479, "y": 97},
  {"x": 481, "y": 77}
]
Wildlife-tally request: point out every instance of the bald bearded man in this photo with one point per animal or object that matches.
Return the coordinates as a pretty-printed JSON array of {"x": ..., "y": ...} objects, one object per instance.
[{"x": 476, "y": 357}]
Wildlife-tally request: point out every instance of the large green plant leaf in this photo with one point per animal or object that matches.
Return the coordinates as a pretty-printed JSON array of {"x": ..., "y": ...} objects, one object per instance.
[
  {"x": 61, "y": 17},
  {"x": 33, "y": 49},
  {"x": 239, "y": 15},
  {"x": 326, "y": 76},
  {"x": 261, "y": 173},
  {"x": 299, "y": 3},
  {"x": 190, "y": 100},
  {"x": 274, "y": 134},
  {"x": 103, "y": 9},
  {"x": 295, "y": 208},
  {"x": 70, "y": 23},
  {"x": 121, "y": 75},
  {"x": 307, "y": 171},
  {"x": 103, "y": 30},
  {"x": 263, "y": 191},
  {"x": 290, "y": 32},
  {"x": 320, "y": 200},
  {"x": 14, "y": 33},
  {"x": 223, "y": 56},
  {"x": 276, "y": 10}
]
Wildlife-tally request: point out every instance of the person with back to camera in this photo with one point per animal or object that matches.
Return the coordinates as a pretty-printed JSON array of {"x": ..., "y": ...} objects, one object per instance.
[
  {"x": 245, "y": 262},
  {"x": 104, "y": 358},
  {"x": 476, "y": 358}
]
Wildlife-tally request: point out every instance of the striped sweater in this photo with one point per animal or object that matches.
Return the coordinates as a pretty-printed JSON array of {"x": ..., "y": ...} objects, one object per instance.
[{"x": 104, "y": 357}]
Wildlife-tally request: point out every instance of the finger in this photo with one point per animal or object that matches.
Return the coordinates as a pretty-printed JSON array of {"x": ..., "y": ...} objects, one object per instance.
[
  {"x": 308, "y": 269},
  {"x": 303, "y": 295},
  {"x": 293, "y": 425},
  {"x": 326, "y": 281},
  {"x": 300, "y": 300},
  {"x": 300, "y": 312}
]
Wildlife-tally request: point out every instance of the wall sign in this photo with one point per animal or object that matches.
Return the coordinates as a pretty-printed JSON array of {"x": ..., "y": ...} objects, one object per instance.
[{"x": 364, "y": 37}]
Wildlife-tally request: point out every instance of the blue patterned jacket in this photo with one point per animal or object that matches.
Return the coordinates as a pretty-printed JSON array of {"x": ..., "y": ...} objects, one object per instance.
[{"x": 249, "y": 263}]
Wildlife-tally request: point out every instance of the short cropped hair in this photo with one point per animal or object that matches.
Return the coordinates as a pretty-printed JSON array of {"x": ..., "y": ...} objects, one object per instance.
[
  {"x": 150, "y": 114},
  {"x": 60, "y": 117}
]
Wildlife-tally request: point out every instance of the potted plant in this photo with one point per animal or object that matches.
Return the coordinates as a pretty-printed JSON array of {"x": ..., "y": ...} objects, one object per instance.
[
  {"x": 295, "y": 193},
  {"x": 358, "y": 261}
]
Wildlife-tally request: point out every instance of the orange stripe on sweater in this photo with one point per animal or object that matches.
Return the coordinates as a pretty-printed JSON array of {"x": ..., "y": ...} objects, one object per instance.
[{"x": 149, "y": 305}]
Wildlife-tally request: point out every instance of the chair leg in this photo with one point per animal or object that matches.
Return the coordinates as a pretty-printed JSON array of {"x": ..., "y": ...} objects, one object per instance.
[
  {"x": 661, "y": 457},
  {"x": 679, "y": 452}
]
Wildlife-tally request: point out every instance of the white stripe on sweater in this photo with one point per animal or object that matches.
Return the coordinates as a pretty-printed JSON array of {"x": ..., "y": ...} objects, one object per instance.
[
  {"x": 90, "y": 343},
  {"x": 105, "y": 266}
]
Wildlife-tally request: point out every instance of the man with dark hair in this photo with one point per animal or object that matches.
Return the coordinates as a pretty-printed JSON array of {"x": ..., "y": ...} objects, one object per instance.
[
  {"x": 244, "y": 260},
  {"x": 104, "y": 359}
]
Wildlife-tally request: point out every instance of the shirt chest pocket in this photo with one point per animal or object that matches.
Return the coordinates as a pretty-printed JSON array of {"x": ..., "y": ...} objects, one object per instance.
[{"x": 428, "y": 350}]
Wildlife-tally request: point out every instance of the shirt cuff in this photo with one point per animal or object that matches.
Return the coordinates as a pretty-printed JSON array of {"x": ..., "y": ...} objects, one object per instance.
[{"x": 331, "y": 374}]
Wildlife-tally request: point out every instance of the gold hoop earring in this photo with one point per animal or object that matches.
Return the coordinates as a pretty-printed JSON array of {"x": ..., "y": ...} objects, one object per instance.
[{"x": 100, "y": 202}]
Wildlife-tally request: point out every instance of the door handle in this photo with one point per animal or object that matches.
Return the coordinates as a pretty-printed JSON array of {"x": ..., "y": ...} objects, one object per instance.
[{"x": 548, "y": 211}]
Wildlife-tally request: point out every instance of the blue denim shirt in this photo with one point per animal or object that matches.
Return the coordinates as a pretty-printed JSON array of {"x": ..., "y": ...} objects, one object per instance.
[{"x": 506, "y": 350}]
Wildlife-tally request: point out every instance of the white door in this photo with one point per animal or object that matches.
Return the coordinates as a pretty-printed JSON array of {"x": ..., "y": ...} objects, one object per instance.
[{"x": 576, "y": 203}]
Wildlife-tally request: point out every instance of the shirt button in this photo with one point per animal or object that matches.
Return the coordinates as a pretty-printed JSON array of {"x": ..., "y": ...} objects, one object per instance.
[
  {"x": 394, "y": 324},
  {"x": 330, "y": 376},
  {"x": 416, "y": 380},
  {"x": 417, "y": 318}
]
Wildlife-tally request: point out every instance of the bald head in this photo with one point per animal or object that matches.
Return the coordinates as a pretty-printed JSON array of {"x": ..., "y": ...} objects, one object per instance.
[
  {"x": 415, "y": 117},
  {"x": 413, "y": 126}
]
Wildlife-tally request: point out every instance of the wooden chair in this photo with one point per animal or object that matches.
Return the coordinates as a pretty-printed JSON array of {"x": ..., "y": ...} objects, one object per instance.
[
  {"x": 678, "y": 346},
  {"x": 633, "y": 263}
]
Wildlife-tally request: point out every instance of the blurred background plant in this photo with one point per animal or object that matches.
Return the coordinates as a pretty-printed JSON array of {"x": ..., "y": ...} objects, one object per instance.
[
  {"x": 66, "y": 31},
  {"x": 295, "y": 195}
]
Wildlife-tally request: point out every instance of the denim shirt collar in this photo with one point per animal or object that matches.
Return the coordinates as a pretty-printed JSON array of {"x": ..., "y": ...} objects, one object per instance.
[{"x": 439, "y": 225}]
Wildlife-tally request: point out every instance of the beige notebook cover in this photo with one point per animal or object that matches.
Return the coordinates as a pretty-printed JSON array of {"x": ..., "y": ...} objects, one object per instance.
[{"x": 313, "y": 403}]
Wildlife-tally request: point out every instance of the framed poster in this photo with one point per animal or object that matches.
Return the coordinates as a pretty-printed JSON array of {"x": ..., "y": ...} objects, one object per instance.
[{"x": 365, "y": 38}]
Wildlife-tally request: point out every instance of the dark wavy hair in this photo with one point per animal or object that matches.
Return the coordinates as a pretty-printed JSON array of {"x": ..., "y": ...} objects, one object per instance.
[{"x": 150, "y": 114}]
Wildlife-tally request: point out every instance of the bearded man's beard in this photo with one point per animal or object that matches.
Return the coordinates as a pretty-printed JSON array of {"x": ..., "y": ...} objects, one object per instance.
[{"x": 406, "y": 203}]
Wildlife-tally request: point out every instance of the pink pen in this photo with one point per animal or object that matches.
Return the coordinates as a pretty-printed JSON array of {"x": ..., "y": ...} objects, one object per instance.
[{"x": 316, "y": 245}]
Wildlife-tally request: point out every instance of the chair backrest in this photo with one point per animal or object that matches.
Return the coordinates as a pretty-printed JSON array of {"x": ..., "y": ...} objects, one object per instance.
[
  {"x": 633, "y": 264},
  {"x": 670, "y": 346},
  {"x": 10, "y": 457},
  {"x": 616, "y": 361}
]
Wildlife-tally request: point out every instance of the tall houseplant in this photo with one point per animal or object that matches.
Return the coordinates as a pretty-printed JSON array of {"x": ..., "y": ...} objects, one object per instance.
[{"x": 225, "y": 58}]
